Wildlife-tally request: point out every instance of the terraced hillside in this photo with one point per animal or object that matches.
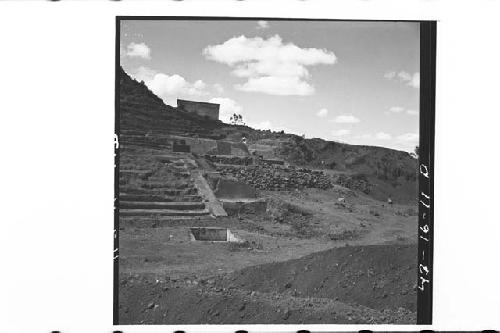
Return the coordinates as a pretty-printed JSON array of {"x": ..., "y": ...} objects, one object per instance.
[{"x": 146, "y": 120}]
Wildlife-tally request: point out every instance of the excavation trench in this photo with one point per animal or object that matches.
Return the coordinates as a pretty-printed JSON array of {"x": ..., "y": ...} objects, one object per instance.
[{"x": 211, "y": 234}]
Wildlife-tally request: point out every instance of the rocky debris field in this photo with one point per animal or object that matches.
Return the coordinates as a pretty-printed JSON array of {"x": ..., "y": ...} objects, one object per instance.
[
  {"x": 287, "y": 178},
  {"x": 278, "y": 178},
  {"x": 353, "y": 284}
]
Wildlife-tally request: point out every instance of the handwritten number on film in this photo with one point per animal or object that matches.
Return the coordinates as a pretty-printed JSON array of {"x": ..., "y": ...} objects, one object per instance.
[{"x": 425, "y": 201}]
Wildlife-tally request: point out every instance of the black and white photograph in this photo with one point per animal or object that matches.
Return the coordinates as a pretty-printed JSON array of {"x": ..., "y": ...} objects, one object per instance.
[
  {"x": 249, "y": 166},
  {"x": 267, "y": 171}
]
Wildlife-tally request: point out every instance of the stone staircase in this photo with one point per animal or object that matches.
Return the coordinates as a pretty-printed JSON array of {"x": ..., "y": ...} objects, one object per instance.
[{"x": 169, "y": 190}]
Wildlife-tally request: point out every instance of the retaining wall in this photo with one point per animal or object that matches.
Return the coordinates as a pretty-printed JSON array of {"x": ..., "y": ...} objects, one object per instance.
[{"x": 233, "y": 189}]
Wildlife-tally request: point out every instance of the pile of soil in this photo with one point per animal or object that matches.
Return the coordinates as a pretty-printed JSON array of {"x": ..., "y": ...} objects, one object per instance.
[
  {"x": 363, "y": 285},
  {"x": 377, "y": 276},
  {"x": 147, "y": 302}
]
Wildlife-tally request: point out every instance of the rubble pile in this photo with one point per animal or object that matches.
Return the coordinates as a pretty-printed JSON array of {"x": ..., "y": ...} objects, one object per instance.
[{"x": 277, "y": 178}]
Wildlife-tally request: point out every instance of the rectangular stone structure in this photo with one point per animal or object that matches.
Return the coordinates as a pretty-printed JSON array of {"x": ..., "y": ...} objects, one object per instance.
[
  {"x": 233, "y": 189},
  {"x": 204, "y": 109},
  {"x": 211, "y": 234},
  {"x": 180, "y": 146}
]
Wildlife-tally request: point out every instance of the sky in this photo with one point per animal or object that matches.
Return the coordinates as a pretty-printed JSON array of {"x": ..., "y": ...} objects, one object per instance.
[{"x": 347, "y": 81}]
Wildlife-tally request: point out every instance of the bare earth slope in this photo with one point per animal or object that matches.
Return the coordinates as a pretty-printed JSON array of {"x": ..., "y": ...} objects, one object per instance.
[
  {"x": 343, "y": 285},
  {"x": 344, "y": 274}
]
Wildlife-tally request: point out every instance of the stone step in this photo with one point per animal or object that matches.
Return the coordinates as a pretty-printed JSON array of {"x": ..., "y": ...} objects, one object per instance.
[
  {"x": 160, "y": 176},
  {"x": 168, "y": 192},
  {"x": 163, "y": 212},
  {"x": 159, "y": 198},
  {"x": 129, "y": 144},
  {"x": 161, "y": 205},
  {"x": 165, "y": 186}
]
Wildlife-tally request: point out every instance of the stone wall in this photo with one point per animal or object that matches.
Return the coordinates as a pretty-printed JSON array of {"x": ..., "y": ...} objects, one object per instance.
[
  {"x": 208, "y": 234},
  {"x": 232, "y": 160},
  {"x": 200, "y": 146},
  {"x": 266, "y": 151},
  {"x": 233, "y": 189},
  {"x": 255, "y": 207},
  {"x": 204, "y": 109},
  {"x": 203, "y": 146},
  {"x": 239, "y": 149},
  {"x": 180, "y": 146}
]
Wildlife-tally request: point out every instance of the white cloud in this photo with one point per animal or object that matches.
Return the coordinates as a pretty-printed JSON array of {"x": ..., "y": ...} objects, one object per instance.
[
  {"x": 404, "y": 76},
  {"x": 219, "y": 89},
  {"x": 263, "y": 125},
  {"x": 227, "y": 108},
  {"x": 407, "y": 141},
  {"x": 123, "y": 51},
  {"x": 341, "y": 132},
  {"x": 167, "y": 86},
  {"x": 390, "y": 75},
  {"x": 322, "y": 113},
  {"x": 396, "y": 109},
  {"x": 262, "y": 25},
  {"x": 140, "y": 50},
  {"x": 268, "y": 125},
  {"x": 281, "y": 86},
  {"x": 364, "y": 136},
  {"x": 399, "y": 109},
  {"x": 383, "y": 136},
  {"x": 413, "y": 80},
  {"x": 269, "y": 65},
  {"x": 346, "y": 119},
  {"x": 173, "y": 85},
  {"x": 408, "y": 137},
  {"x": 144, "y": 74}
]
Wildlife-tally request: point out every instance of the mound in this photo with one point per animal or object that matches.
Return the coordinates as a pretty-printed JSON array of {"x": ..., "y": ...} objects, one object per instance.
[
  {"x": 371, "y": 284},
  {"x": 377, "y": 276}
]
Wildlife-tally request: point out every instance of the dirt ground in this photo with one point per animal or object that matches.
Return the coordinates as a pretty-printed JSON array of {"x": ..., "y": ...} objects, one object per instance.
[
  {"x": 309, "y": 259},
  {"x": 342, "y": 285}
]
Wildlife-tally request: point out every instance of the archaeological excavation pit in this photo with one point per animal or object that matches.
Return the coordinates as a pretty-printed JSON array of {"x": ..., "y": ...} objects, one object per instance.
[{"x": 211, "y": 234}]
